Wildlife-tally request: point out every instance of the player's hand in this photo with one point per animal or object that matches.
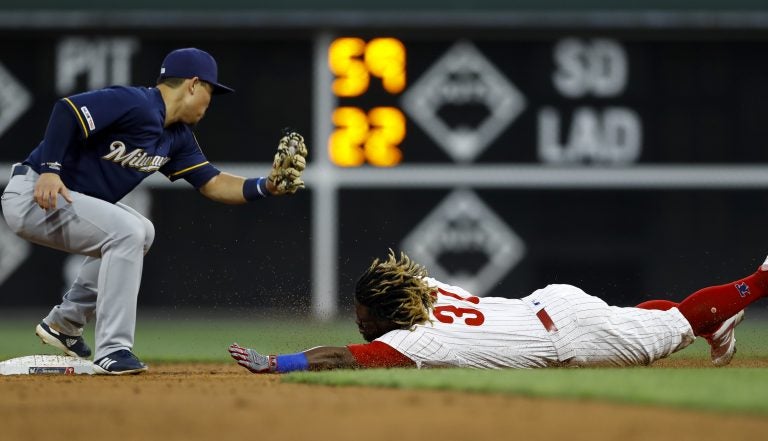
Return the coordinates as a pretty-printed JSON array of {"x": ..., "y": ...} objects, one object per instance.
[
  {"x": 47, "y": 190},
  {"x": 250, "y": 359},
  {"x": 288, "y": 164}
]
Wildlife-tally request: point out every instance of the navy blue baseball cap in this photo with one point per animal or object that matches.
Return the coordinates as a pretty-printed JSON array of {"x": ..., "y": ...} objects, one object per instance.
[{"x": 192, "y": 62}]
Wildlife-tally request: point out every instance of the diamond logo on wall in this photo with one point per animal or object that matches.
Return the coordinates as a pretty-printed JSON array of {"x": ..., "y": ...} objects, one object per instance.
[
  {"x": 14, "y": 100},
  {"x": 463, "y": 102},
  {"x": 464, "y": 243}
]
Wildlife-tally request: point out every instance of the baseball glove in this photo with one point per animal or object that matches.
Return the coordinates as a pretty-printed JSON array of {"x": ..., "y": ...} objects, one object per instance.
[{"x": 290, "y": 161}]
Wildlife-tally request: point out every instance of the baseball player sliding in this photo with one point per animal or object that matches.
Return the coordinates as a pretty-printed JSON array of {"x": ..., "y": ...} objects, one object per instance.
[
  {"x": 412, "y": 320},
  {"x": 99, "y": 146}
]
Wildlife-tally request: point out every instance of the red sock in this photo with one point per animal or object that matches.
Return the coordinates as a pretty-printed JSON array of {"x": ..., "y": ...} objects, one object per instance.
[
  {"x": 707, "y": 308},
  {"x": 657, "y": 304}
]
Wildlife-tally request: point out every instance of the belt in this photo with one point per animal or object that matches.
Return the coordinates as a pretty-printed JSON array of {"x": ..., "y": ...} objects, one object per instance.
[
  {"x": 546, "y": 320},
  {"x": 20, "y": 170}
]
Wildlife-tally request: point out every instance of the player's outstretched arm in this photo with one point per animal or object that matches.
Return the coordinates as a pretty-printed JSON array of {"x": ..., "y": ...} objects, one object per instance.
[
  {"x": 226, "y": 188},
  {"x": 284, "y": 177},
  {"x": 315, "y": 359}
]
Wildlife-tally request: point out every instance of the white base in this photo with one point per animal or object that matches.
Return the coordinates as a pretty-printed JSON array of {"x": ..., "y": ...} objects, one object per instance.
[{"x": 46, "y": 364}]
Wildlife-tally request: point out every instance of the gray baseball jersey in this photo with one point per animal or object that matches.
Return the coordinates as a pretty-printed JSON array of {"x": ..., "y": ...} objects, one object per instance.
[{"x": 556, "y": 325}]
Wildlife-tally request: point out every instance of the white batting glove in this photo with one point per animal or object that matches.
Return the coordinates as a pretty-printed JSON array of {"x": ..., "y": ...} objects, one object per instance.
[{"x": 252, "y": 360}]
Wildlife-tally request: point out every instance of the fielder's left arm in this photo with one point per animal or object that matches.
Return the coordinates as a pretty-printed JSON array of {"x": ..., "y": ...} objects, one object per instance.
[{"x": 284, "y": 177}]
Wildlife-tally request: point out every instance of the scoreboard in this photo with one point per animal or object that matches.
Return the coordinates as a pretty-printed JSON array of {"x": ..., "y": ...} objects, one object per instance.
[
  {"x": 555, "y": 98},
  {"x": 371, "y": 136},
  {"x": 628, "y": 161},
  {"x": 568, "y": 98}
]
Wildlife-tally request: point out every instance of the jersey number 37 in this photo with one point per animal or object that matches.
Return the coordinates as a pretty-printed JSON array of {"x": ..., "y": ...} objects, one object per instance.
[{"x": 449, "y": 313}]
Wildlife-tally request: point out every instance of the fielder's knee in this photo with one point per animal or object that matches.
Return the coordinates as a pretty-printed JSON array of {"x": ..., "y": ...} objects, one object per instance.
[{"x": 131, "y": 235}]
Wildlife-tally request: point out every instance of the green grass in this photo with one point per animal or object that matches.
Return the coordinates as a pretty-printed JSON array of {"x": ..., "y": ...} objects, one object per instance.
[
  {"x": 193, "y": 340},
  {"x": 175, "y": 337},
  {"x": 742, "y": 390}
]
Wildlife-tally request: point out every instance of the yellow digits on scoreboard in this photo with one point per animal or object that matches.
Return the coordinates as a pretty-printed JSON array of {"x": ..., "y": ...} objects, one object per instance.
[
  {"x": 353, "y": 61},
  {"x": 387, "y": 132},
  {"x": 352, "y": 76},
  {"x": 385, "y": 58},
  {"x": 351, "y": 132},
  {"x": 373, "y": 137}
]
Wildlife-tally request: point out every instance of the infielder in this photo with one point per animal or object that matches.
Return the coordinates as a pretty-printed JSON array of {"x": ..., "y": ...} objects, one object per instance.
[
  {"x": 99, "y": 146},
  {"x": 412, "y": 320}
]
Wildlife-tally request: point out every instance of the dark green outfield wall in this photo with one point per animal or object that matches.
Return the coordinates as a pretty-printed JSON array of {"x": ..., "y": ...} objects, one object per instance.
[{"x": 688, "y": 88}]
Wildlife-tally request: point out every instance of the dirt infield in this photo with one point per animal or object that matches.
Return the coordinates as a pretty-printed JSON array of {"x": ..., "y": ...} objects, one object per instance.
[{"x": 224, "y": 402}]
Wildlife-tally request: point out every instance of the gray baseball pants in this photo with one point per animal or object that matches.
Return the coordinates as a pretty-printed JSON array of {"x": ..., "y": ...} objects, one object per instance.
[{"x": 113, "y": 237}]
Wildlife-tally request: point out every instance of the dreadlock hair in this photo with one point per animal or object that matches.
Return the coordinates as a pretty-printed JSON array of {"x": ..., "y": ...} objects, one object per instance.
[{"x": 395, "y": 290}]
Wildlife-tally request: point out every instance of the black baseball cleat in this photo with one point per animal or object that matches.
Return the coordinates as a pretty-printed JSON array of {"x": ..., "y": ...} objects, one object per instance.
[
  {"x": 120, "y": 362},
  {"x": 70, "y": 344}
]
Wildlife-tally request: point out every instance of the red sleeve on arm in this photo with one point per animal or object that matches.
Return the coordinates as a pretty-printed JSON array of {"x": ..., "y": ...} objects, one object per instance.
[{"x": 377, "y": 354}]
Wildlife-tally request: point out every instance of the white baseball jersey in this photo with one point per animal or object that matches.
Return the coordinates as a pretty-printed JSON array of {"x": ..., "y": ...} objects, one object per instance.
[{"x": 556, "y": 325}]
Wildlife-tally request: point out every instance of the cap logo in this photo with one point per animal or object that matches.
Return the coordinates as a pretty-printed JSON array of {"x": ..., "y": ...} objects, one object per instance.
[{"x": 162, "y": 70}]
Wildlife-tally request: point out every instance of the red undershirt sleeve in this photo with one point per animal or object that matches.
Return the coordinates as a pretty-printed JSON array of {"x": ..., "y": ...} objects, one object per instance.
[{"x": 379, "y": 355}]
